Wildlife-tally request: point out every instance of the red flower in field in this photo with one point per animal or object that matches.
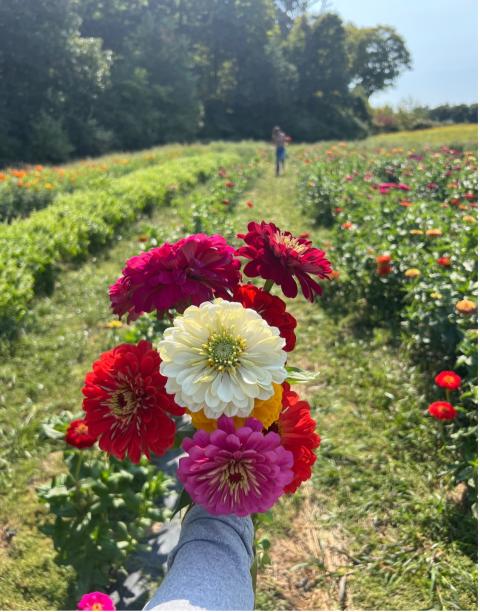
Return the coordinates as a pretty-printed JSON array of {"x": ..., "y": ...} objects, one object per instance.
[
  {"x": 226, "y": 202},
  {"x": 444, "y": 261},
  {"x": 229, "y": 184},
  {"x": 442, "y": 411},
  {"x": 222, "y": 172},
  {"x": 383, "y": 259},
  {"x": 249, "y": 204},
  {"x": 297, "y": 432},
  {"x": 383, "y": 265},
  {"x": 447, "y": 379},
  {"x": 270, "y": 308},
  {"x": 190, "y": 271},
  {"x": 347, "y": 225},
  {"x": 469, "y": 196},
  {"x": 126, "y": 405},
  {"x": 78, "y": 435},
  {"x": 281, "y": 257},
  {"x": 338, "y": 210}
]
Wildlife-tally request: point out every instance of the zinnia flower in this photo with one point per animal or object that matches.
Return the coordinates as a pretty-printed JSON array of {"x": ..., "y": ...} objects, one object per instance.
[
  {"x": 271, "y": 308},
  {"x": 466, "y": 307},
  {"x": 190, "y": 271},
  {"x": 281, "y": 257},
  {"x": 416, "y": 232},
  {"x": 126, "y": 404},
  {"x": 434, "y": 232},
  {"x": 297, "y": 433},
  {"x": 95, "y": 601},
  {"x": 444, "y": 261},
  {"x": 235, "y": 471},
  {"x": 448, "y": 379},
  {"x": 220, "y": 357},
  {"x": 266, "y": 411},
  {"x": 412, "y": 273},
  {"x": 347, "y": 225},
  {"x": 78, "y": 435},
  {"x": 442, "y": 411}
]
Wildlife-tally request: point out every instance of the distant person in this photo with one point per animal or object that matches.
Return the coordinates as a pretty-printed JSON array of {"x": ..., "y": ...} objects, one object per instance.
[{"x": 279, "y": 139}]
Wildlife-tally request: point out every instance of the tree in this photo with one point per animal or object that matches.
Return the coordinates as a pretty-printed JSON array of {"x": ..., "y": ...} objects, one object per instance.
[{"x": 377, "y": 57}]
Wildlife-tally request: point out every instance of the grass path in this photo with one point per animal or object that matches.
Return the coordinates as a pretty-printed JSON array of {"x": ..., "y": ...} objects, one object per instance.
[{"x": 370, "y": 530}]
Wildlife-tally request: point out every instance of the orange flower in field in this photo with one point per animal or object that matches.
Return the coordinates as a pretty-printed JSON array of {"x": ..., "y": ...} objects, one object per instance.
[
  {"x": 334, "y": 274},
  {"x": 466, "y": 307},
  {"x": 434, "y": 232},
  {"x": 469, "y": 219},
  {"x": 462, "y": 207},
  {"x": 347, "y": 225},
  {"x": 412, "y": 273},
  {"x": 249, "y": 204},
  {"x": 447, "y": 379},
  {"x": 384, "y": 259},
  {"x": 444, "y": 261},
  {"x": 442, "y": 411},
  {"x": 39, "y": 167},
  {"x": 416, "y": 232},
  {"x": 3, "y": 177},
  {"x": 383, "y": 265},
  {"x": 18, "y": 173},
  {"x": 406, "y": 204}
]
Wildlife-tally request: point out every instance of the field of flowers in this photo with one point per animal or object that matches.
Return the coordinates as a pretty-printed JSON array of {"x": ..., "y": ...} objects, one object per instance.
[
  {"x": 386, "y": 520},
  {"x": 403, "y": 243}
]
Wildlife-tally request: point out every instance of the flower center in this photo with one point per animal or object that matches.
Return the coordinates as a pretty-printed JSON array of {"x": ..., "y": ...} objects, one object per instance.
[
  {"x": 123, "y": 402},
  {"x": 97, "y": 606},
  {"x": 223, "y": 350},
  {"x": 81, "y": 428},
  {"x": 290, "y": 242}
]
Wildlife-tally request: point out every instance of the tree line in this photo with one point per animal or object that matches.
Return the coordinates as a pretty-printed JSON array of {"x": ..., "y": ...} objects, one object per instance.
[{"x": 82, "y": 77}]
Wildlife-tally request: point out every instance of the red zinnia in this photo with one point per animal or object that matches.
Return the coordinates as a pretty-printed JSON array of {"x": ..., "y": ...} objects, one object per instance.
[
  {"x": 78, "y": 434},
  {"x": 297, "y": 432},
  {"x": 271, "y": 308},
  {"x": 190, "y": 271},
  {"x": 280, "y": 257},
  {"x": 442, "y": 411},
  {"x": 448, "y": 380},
  {"x": 126, "y": 405},
  {"x": 444, "y": 261}
]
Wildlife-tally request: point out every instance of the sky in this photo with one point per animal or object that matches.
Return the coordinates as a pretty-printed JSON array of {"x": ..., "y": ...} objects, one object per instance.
[{"x": 441, "y": 36}]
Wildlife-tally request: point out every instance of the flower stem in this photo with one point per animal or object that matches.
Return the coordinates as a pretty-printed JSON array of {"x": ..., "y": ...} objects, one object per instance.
[{"x": 268, "y": 285}]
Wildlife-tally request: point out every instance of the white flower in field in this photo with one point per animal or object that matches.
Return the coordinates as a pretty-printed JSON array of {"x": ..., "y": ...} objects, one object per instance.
[{"x": 220, "y": 356}]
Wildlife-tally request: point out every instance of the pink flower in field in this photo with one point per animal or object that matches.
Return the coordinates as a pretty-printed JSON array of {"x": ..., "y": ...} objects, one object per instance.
[
  {"x": 95, "y": 601},
  {"x": 432, "y": 186},
  {"x": 235, "y": 471},
  {"x": 190, "y": 271},
  {"x": 349, "y": 178}
]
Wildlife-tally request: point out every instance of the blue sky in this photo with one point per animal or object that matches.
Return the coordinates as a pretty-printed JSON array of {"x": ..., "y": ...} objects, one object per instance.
[{"x": 442, "y": 38}]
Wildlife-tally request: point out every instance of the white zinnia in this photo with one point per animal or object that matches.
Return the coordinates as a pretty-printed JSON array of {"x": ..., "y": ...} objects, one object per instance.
[{"x": 220, "y": 356}]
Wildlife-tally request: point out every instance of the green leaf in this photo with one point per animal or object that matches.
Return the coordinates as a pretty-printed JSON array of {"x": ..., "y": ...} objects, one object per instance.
[
  {"x": 300, "y": 376},
  {"x": 183, "y": 501}
]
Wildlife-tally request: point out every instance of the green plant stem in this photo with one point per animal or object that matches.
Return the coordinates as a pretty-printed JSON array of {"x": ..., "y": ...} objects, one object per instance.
[{"x": 268, "y": 285}]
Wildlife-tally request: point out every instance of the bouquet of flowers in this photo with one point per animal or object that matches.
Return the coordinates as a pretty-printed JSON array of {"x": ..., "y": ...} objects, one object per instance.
[{"x": 216, "y": 382}]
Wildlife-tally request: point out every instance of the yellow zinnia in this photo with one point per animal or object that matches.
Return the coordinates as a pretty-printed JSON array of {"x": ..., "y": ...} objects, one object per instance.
[
  {"x": 412, "y": 272},
  {"x": 266, "y": 411}
]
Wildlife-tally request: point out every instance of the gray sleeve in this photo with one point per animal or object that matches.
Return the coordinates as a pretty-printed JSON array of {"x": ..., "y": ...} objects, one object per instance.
[{"x": 209, "y": 568}]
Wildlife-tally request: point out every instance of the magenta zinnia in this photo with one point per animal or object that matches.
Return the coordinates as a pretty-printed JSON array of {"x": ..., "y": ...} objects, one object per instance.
[
  {"x": 281, "y": 257},
  {"x": 235, "y": 471},
  {"x": 190, "y": 271}
]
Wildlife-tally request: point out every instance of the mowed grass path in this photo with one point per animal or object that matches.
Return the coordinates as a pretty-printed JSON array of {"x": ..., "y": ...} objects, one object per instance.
[{"x": 369, "y": 531}]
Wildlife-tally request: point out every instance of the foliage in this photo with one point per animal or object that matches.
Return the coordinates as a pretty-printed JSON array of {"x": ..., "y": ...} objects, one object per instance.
[
  {"x": 411, "y": 116},
  {"x": 126, "y": 75},
  {"x": 418, "y": 209},
  {"x": 79, "y": 223},
  {"x": 103, "y": 508}
]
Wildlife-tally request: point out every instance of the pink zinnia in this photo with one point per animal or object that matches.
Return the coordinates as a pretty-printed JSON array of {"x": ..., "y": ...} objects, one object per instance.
[
  {"x": 95, "y": 601},
  {"x": 235, "y": 471},
  {"x": 190, "y": 271},
  {"x": 281, "y": 257}
]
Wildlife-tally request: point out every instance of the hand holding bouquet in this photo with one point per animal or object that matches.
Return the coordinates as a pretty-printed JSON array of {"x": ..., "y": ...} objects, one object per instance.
[{"x": 221, "y": 364}]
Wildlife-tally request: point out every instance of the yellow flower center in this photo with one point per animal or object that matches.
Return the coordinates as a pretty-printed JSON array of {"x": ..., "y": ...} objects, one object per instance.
[
  {"x": 290, "y": 242},
  {"x": 223, "y": 350},
  {"x": 123, "y": 403},
  {"x": 81, "y": 428},
  {"x": 97, "y": 606}
]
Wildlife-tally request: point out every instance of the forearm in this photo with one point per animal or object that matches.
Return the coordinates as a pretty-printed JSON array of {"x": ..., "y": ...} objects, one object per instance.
[{"x": 210, "y": 566}]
